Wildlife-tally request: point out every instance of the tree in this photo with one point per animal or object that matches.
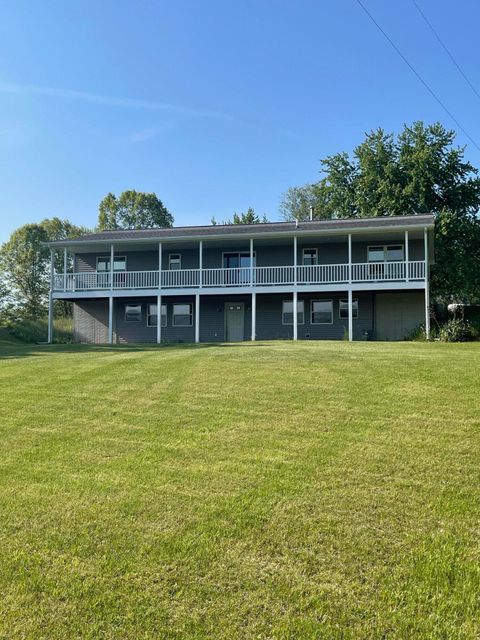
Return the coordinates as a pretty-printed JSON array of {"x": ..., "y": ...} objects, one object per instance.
[
  {"x": 419, "y": 171},
  {"x": 249, "y": 217},
  {"x": 24, "y": 268},
  {"x": 133, "y": 210},
  {"x": 296, "y": 203}
]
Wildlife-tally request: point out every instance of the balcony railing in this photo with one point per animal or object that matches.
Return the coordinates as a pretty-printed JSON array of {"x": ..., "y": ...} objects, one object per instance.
[{"x": 242, "y": 277}]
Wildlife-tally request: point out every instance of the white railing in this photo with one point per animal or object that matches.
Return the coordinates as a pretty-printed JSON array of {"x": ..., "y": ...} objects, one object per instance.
[
  {"x": 242, "y": 276},
  {"x": 330, "y": 273}
]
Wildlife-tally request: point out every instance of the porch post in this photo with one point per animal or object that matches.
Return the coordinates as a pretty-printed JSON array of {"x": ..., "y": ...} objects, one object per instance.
[
  {"x": 350, "y": 258},
  {"x": 251, "y": 263},
  {"x": 159, "y": 319},
  {"x": 197, "y": 317},
  {"x": 427, "y": 286},
  {"x": 112, "y": 253},
  {"x": 407, "y": 259},
  {"x": 65, "y": 269},
  {"x": 110, "y": 319},
  {"x": 350, "y": 315},
  {"x": 200, "y": 262},
  {"x": 295, "y": 260},
  {"x": 295, "y": 316},
  {"x": 50, "y": 300},
  {"x": 254, "y": 316},
  {"x": 159, "y": 265}
]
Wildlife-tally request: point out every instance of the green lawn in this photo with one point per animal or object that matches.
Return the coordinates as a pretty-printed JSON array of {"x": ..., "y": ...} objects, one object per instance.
[{"x": 276, "y": 490}]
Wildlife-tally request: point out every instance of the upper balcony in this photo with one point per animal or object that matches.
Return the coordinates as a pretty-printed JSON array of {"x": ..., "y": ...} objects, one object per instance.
[
  {"x": 318, "y": 255},
  {"x": 276, "y": 276}
]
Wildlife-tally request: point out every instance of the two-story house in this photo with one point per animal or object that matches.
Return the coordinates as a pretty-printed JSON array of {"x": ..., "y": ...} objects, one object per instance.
[{"x": 322, "y": 279}]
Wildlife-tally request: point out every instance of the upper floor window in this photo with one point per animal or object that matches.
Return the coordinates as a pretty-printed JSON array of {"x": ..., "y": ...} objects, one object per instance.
[
  {"x": 287, "y": 312},
  {"x": 133, "y": 312},
  {"x": 237, "y": 259},
  {"x": 175, "y": 261},
  {"x": 310, "y": 257},
  {"x": 152, "y": 317},
  {"x": 119, "y": 263},
  {"x": 385, "y": 253}
]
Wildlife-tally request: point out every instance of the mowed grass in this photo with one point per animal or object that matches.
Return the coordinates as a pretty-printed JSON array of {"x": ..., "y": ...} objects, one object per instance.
[{"x": 269, "y": 490}]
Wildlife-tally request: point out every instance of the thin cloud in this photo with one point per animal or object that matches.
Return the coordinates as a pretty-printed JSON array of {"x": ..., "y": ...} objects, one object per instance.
[
  {"x": 112, "y": 101},
  {"x": 147, "y": 134}
]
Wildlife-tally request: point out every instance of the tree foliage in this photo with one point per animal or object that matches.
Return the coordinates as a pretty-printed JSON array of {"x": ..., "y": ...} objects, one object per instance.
[
  {"x": 133, "y": 210},
  {"x": 248, "y": 217},
  {"x": 418, "y": 171},
  {"x": 25, "y": 265}
]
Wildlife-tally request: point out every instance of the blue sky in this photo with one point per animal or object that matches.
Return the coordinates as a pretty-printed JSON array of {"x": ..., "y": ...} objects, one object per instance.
[{"x": 216, "y": 106}]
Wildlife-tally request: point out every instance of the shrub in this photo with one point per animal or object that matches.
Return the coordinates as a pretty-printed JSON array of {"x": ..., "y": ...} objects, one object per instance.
[
  {"x": 456, "y": 330},
  {"x": 33, "y": 331}
]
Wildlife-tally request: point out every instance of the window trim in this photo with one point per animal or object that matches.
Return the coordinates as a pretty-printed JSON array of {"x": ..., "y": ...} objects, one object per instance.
[
  {"x": 290, "y": 324},
  {"x": 354, "y": 317},
  {"x": 316, "y": 256},
  {"x": 311, "y": 310},
  {"x": 129, "y": 304},
  {"x": 175, "y": 304},
  {"x": 108, "y": 258},
  {"x": 385, "y": 252},
  {"x": 170, "y": 261},
  {"x": 149, "y": 315}
]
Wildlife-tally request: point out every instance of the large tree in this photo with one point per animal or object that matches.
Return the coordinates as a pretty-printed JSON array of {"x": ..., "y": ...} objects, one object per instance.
[
  {"x": 133, "y": 210},
  {"x": 25, "y": 264},
  {"x": 419, "y": 171}
]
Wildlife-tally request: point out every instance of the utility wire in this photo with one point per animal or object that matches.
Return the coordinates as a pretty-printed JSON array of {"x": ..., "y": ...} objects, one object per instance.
[
  {"x": 447, "y": 51},
  {"x": 412, "y": 68}
]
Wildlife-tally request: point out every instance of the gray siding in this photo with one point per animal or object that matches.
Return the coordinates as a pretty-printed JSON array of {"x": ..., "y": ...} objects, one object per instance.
[{"x": 90, "y": 321}]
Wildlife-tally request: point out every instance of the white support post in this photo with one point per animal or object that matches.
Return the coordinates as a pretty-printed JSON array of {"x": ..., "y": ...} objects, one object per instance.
[
  {"x": 407, "y": 259},
  {"x": 200, "y": 262},
  {"x": 254, "y": 316},
  {"x": 110, "y": 319},
  {"x": 112, "y": 254},
  {"x": 350, "y": 315},
  {"x": 295, "y": 316},
  {"x": 50, "y": 299},
  {"x": 197, "y": 317},
  {"x": 350, "y": 258},
  {"x": 65, "y": 269},
  {"x": 251, "y": 265},
  {"x": 159, "y": 319},
  {"x": 159, "y": 265},
  {"x": 295, "y": 260},
  {"x": 427, "y": 286}
]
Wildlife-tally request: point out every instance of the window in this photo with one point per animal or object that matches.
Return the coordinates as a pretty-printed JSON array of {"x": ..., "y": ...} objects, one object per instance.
[
  {"x": 133, "y": 312},
  {"x": 237, "y": 259},
  {"x": 119, "y": 263},
  {"x": 182, "y": 315},
  {"x": 175, "y": 261},
  {"x": 343, "y": 309},
  {"x": 152, "y": 317},
  {"x": 385, "y": 253},
  {"x": 287, "y": 312},
  {"x": 322, "y": 312},
  {"x": 310, "y": 257}
]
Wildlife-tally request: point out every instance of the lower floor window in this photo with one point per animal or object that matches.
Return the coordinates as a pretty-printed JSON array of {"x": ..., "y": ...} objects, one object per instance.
[
  {"x": 133, "y": 312},
  {"x": 152, "y": 317},
  {"x": 287, "y": 312},
  {"x": 182, "y": 315},
  {"x": 343, "y": 308},
  {"x": 322, "y": 311}
]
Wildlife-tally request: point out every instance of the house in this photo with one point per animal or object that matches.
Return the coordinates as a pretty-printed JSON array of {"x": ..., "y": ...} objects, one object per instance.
[{"x": 349, "y": 278}]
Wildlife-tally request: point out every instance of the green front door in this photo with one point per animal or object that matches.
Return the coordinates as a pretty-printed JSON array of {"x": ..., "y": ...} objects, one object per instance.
[{"x": 234, "y": 321}]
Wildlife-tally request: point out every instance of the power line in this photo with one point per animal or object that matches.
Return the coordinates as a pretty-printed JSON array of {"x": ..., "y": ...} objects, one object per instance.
[
  {"x": 412, "y": 68},
  {"x": 447, "y": 50}
]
